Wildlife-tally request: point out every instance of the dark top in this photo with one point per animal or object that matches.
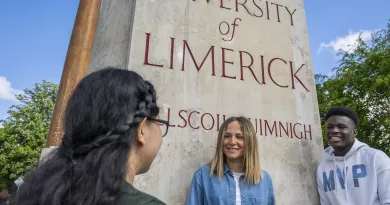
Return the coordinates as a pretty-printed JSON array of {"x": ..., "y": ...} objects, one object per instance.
[{"x": 131, "y": 196}]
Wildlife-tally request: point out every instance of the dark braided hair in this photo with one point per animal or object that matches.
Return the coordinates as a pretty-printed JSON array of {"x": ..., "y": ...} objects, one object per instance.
[{"x": 101, "y": 119}]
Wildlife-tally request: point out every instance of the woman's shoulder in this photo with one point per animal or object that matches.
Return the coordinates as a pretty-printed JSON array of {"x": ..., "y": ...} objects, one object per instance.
[
  {"x": 265, "y": 173},
  {"x": 266, "y": 176},
  {"x": 131, "y": 194},
  {"x": 203, "y": 169}
]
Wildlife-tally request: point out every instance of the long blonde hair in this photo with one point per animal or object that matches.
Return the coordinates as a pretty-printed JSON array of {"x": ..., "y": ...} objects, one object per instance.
[{"x": 251, "y": 162}]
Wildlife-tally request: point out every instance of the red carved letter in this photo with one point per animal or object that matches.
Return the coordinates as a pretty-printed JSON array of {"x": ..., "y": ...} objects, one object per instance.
[
  {"x": 206, "y": 1},
  {"x": 269, "y": 71},
  {"x": 169, "y": 117},
  {"x": 223, "y": 64},
  {"x": 270, "y": 130},
  {"x": 262, "y": 13},
  {"x": 291, "y": 15},
  {"x": 201, "y": 121},
  {"x": 267, "y": 9},
  {"x": 172, "y": 49},
  {"x": 307, "y": 131},
  {"x": 146, "y": 59},
  {"x": 294, "y": 75},
  {"x": 254, "y": 124},
  {"x": 185, "y": 122},
  {"x": 262, "y": 70},
  {"x": 248, "y": 66},
  {"x": 242, "y": 4},
  {"x": 189, "y": 120},
  {"x": 261, "y": 126},
  {"x": 211, "y": 50},
  {"x": 223, "y": 6},
  {"x": 295, "y": 132},
  {"x": 217, "y": 122},
  {"x": 282, "y": 127},
  {"x": 277, "y": 10}
]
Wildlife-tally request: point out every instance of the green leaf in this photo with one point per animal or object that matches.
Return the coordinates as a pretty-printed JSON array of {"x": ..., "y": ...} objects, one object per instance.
[
  {"x": 362, "y": 82},
  {"x": 24, "y": 132}
]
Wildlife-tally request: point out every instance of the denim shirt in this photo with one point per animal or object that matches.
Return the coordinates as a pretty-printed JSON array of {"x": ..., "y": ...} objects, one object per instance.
[{"x": 211, "y": 190}]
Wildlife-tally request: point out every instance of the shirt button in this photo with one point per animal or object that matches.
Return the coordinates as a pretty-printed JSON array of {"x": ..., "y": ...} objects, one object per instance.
[{"x": 243, "y": 195}]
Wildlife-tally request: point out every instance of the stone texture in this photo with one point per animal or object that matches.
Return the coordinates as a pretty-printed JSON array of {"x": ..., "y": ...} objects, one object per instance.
[
  {"x": 189, "y": 97},
  {"x": 112, "y": 39},
  {"x": 46, "y": 153}
]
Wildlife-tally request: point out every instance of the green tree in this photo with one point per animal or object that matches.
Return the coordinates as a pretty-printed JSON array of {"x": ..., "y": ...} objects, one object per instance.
[
  {"x": 362, "y": 82},
  {"x": 24, "y": 132}
]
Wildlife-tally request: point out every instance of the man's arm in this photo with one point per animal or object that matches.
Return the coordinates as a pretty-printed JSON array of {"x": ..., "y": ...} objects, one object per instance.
[
  {"x": 382, "y": 167},
  {"x": 320, "y": 187}
]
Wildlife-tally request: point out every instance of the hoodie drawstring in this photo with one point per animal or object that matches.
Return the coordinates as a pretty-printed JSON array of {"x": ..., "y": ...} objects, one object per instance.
[
  {"x": 345, "y": 180},
  {"x": 335, "y": 174},
  {"x": 345, "y": 174}
]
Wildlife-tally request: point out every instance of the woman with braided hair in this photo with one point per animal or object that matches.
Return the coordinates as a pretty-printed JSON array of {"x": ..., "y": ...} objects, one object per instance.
[{"x": 112, "y": 133}]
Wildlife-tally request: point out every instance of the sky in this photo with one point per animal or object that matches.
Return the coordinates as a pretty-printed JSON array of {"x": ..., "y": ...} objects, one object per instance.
[{"x": 35, "y": 35}]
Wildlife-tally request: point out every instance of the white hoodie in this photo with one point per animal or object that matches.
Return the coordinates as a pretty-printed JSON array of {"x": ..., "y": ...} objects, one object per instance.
[{"x": 367, "y": 177}]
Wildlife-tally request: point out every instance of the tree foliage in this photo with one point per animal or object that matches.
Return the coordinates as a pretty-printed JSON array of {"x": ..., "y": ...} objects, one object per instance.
[
  {"x": 362, "y": 82},
  {"x": 24, "y": 132}
]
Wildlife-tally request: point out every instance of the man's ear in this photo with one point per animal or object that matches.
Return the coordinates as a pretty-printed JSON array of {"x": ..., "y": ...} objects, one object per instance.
[
  {"x": 141, "y": 132},
  {"x": 355, "y": 132}
]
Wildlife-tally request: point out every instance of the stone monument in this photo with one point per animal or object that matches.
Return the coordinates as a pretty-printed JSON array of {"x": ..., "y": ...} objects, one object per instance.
[{"x": 211, "y": 59}]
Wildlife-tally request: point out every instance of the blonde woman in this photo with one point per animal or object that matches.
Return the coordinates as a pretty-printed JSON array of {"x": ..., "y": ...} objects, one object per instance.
[{"x": 234, "y": 175}]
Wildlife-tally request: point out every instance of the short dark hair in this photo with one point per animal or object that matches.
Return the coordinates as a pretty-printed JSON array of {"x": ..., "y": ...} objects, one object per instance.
[{"x": 343, "y": 111}]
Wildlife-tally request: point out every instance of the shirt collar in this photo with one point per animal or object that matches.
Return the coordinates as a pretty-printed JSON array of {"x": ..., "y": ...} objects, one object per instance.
[{"x": 226, "y": 169}]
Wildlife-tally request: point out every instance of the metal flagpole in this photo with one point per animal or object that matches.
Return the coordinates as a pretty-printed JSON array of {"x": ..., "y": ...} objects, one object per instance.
[{"x": 76, "y": 63}]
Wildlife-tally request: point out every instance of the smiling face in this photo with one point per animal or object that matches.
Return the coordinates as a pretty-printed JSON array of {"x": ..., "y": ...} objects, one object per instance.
[
  {"x": 237, "y": 148},
  {"x": 233, "y": 142},
  {"x": 341, "y": 132}
]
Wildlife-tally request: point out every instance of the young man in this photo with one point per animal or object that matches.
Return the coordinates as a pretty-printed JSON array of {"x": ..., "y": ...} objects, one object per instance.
[{"x": 352, "y": 173}]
